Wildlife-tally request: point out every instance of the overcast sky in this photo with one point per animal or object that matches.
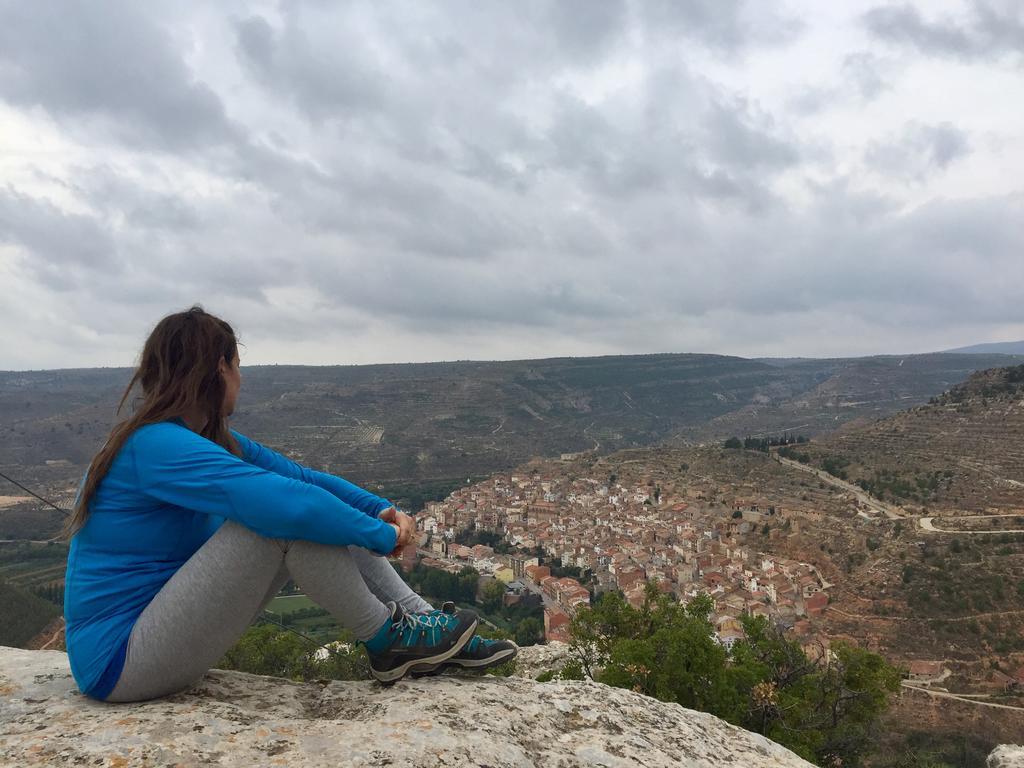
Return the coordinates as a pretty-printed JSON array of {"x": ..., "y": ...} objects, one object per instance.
[{"x": 390, "y": 182}]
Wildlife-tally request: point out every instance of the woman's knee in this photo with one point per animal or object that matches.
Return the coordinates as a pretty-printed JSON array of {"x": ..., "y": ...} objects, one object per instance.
[{"x": 235, "y": 531}]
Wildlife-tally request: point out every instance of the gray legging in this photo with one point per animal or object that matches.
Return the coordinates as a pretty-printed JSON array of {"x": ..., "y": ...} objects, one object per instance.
[{"x": 203, "y": 609}]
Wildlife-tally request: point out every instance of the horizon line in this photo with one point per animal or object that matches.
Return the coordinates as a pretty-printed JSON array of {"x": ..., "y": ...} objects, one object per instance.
[{"x": 463, "y": 361}]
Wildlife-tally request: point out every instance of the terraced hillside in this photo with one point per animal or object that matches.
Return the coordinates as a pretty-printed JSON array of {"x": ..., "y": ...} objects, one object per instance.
[
  {"x": 415, "y": 421},
  {"x": 854, "y": 391},
  {"x": 416, "y": 431},
  {"x": 964, "y": 451},
  {"x": 434, "y": 421},
  {"x": 407, "y": 429}
]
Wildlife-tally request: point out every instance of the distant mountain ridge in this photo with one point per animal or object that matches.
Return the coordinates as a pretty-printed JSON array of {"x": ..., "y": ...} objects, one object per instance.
[
  {"x": 993, "y": 348},
  {"x": 417, "y": 420},
  {"x": 419, "y": 429}
]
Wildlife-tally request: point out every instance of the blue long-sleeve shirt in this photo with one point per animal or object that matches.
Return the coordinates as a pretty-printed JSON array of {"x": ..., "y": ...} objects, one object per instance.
[{"x": 167, "y": 491}]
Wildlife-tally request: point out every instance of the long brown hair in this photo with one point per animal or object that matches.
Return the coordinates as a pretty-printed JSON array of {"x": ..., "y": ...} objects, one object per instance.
[{"x": 178, "y": 372}]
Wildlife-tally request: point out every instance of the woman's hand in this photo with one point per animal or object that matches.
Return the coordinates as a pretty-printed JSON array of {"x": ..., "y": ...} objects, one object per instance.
[{"x": 406, "y": 528}]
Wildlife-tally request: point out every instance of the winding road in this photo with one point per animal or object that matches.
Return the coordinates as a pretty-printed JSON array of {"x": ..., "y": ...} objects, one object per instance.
[
  {"x": 967, "y": 699},
  {"x": 927, "y": 525},
  {"x": 892, "y": 511}
]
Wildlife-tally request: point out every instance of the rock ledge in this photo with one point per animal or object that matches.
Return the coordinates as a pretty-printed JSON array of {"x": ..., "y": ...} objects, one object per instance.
[
  {"x": 235, "y": 719},
  {"x": 1006, "y": 756}
]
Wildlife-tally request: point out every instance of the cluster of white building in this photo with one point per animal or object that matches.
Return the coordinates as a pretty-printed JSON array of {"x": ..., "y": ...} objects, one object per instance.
[{"x": 628, "y": 535}]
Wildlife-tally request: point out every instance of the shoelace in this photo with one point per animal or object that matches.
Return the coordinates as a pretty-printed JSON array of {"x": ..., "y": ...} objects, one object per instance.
[{"x": 410, "y": 623}]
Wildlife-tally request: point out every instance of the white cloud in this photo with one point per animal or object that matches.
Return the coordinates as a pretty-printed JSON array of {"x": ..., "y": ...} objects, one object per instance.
[{"x": 484, "y": 180}]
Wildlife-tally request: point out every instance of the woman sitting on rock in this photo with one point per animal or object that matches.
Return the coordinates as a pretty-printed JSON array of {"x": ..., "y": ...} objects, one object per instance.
[{"x": 184, "y": 529}]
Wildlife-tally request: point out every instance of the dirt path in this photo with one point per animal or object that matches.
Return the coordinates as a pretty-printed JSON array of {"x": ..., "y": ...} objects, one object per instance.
[
  {"x": 58, "y": 635},
  {"x": 48, "y": 636},
  {"x": 890, "y": 511},
  {"x": 26, "y": 541},
  {"x": 947, "y": 695},
  {"x": 927, "y": 525},
  {"x": 13, "y": 501},
  {"x": 879, "y": 617}
]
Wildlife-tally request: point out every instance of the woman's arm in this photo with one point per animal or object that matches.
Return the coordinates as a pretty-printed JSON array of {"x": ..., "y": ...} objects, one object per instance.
[
  {"x": 272, "y": 461},
  {"x": 175, "y": 465}
]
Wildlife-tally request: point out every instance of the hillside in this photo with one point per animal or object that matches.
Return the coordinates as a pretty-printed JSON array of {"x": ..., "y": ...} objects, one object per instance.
[
  {"x": 371, "y": 412},
  {"x": 414, "y": 423},
  {"x": 996, "y": 347},
  {"x": 416, "y": 431},
  {"x": 408, "y": 431},
  {"x": 897, "y": 588},
  {"x": 962, "y": 452},
  {"x": 854, "y": 391},
  {"x": 947, "y": 580},
  {"x": 24, "y": 614},
  {"x": 956, "y": 599}
]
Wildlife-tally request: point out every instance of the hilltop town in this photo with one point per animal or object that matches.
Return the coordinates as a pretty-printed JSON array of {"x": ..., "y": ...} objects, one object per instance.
[
  {"x": 761, "y": 536},
  {"x": 624, "y": 534}
]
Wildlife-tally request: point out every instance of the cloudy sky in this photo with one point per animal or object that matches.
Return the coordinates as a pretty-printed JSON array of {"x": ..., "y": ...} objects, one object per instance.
[{"x": 411, "y": 181}]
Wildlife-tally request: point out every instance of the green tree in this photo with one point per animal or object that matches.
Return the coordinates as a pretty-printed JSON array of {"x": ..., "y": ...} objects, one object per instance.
[
  {"x": 22, "y": 614},
  {"x": 664, "y": 650},
  {"x": 529, "y": 631},
  {"x": 733, "y": 442},
  {"x": 825, "y": 709},
  {"x": 676, "y": 659},
  {"x": 491, "y": 597},
  {"x": 467, "y": 583},
  {"x": 265, "y": 649}
]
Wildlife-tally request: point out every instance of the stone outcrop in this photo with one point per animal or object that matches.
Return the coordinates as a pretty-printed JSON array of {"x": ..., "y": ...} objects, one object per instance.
[
  {"x": 235, "y": 719},
  {"x": 535, "y": 659},
  {"x": 1006, "y": 756}
]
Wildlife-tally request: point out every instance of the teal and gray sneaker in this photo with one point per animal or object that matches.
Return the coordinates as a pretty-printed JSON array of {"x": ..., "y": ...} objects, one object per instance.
[
  {"x": 479, "y": 653},
  {"x": 409, "y": 639}
]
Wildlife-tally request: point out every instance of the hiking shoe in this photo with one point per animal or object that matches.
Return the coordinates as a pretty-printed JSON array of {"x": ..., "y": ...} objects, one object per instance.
[
  {"x": 479, "y": 653},
  {"x": 408, "y": 639}
]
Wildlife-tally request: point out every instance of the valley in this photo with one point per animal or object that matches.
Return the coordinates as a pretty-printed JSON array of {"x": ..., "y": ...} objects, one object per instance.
[{"x": 899, "y": 525}]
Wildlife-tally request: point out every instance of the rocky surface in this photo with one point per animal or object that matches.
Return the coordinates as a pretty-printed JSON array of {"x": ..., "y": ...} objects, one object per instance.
[
  {"x": 234, "y": 719},
  {"x": 535, "y": 659},
  {"x": 1006, "y": 756}
]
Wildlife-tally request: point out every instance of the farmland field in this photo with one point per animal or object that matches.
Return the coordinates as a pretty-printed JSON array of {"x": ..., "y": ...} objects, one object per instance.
[
  {"x": 289, "y": 603},
  {"x": 323, "y": 627}
]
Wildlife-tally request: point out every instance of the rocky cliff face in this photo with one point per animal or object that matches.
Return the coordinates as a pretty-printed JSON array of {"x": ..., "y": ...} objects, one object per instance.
[{"x": 234, "y": 719}]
